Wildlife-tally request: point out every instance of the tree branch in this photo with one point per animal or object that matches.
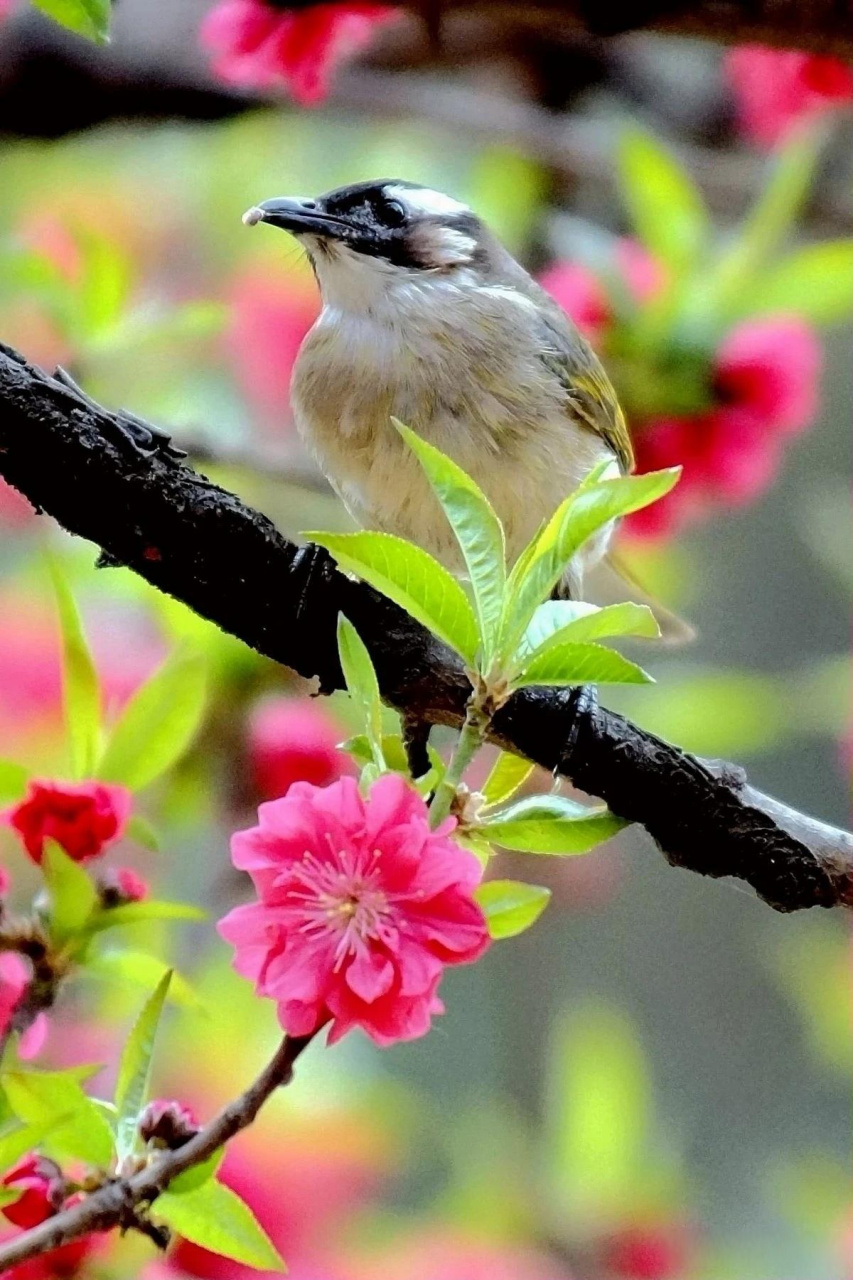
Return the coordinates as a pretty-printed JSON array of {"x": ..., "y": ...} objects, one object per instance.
[
  {"x": 824, "y": 26},
  {"x": 117, "y": 1203},
  {"x": 201, "y": 544}
]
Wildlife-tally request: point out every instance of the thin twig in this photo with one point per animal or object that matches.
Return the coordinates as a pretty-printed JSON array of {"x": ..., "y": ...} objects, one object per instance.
[{"x": 119, "y": 1201}]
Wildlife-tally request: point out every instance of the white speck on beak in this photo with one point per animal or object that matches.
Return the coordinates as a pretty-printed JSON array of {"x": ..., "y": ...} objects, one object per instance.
[{"x": 253, "y": 216}]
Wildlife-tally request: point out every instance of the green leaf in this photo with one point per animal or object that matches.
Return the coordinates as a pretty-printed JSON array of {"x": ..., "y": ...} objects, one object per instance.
[
  {"x": 551, "y": 824},
  {"x": 55, "y": 1102},
  {"x": 475, "y": 843},
  {"x": 89, "y": 18},
  {"x": 598, "y": 1114},
  {"x": 141, "y": 832},
  {"x": 80, "y": 689},
  {"x": 363, "y": 687},
  {"x": 582, "y": 514},
  {"x": 508, "y": 773},
  {"x": 665, "y": 206},
  {"x": 560, "y": 661},
  {"x": 575, "y": 620},
  {"x": 134, "y": 1069},
  {"x": 771, "y": 218},
  {"x": 413, "y": 579},
  {"x": 106, "y": 281},
  {"x": 394, "y": 755},
  {"x": 123, "y": 965},
  {"x": 478, "y": 532},
  {"x": 511, "y": 906},
  {"x": 158, "y": 724},
  {"x": 815, "y": 283},
  {"x": 13, "y": 781},
  {"x": 214, "y": 1217},
  {"x": 17, "y": 1141},
  {"x": 135, "y": 912},
  {"x": 73, "y": 896},
  {"x": 195, "y": 1177}
]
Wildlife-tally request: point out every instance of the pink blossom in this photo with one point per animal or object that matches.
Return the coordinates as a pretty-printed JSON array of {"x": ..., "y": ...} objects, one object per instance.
[
  {"x": 14, "y": 978},
  {"x": 776, "y": 89},
  {"x": 767, "y": 374},
  {"x": 5, "y": 8},
  {"x": 324, "y": 1184},
  {"x": 361, "y": 907},
  {"x": 765, "y": 383},
  {"x": 582, "y": 296},
  {"x": 82, "y": 817},
  {"x": 270, "y": 316},
  {"x": 293, "y": 740},
  {"x": 648, "y": 1252},
  {"x": 42, "y": 1197},
  {"x": 259, "y": 44},
  {"x": 644, "y": 276}
]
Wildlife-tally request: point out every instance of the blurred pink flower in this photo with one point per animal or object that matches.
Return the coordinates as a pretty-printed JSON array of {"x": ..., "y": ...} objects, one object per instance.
[
  {"x": 42, "y": 1198},
  {"x": 258, "y": 44},
  {"x": 583, "y": 296},
  {"x": 294, "y": 740},
  {"x": 14, "y": 978},
  {"x": 30, "y": 664},
  {"x": 657, "y": 1252},
  {"x": 775, "y": 89},
  {"x": 270, "y": 316},
  {"x": 450, "y": 1255},
  {"x": 15, "y": 510},
  {"x": 361, "y": 907},
  {"x": 82, "y": 817},
  {"x": 767, "y": 374},
  {"x": 5, "y": 8},
  {"x": 766, "y": 385},
  {"x": 297, "y": 1195}
]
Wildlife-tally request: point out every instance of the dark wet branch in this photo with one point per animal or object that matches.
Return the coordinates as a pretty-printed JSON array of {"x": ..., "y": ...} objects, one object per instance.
[{"x": 186, "y": 536}]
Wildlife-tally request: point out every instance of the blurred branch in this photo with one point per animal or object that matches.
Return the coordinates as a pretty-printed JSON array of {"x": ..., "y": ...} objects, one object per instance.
[
  {"x": 572, "y": 144},
  {"x": 188, "y": 537},
  {"x": 825, "y": 26},
  {"x": 273, "y": 464},
  {"x": 123, "y": 1202}
]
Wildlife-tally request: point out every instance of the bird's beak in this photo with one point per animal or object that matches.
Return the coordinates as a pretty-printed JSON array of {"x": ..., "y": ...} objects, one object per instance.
[{"x": 297, "y": 215}]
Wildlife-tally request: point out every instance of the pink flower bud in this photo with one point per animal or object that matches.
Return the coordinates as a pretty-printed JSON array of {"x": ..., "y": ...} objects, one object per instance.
[
  {"x": 165, "y": 1123},
  {"x": 115, "y": 888}
]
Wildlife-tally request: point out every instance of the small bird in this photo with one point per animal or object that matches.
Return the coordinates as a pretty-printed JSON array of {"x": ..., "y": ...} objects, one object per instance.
[{"x": 427, "y": 318}]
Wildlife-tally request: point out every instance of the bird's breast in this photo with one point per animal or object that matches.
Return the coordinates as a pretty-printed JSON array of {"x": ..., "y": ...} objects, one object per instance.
[{"x": 489, "y": 404}]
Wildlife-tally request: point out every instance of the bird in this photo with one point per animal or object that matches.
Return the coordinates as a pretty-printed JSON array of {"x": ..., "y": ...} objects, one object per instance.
[{"x": 428, "y": 319}]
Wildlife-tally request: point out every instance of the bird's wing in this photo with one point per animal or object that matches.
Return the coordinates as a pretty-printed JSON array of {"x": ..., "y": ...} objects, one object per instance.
[{"x": 589, "y": 393}]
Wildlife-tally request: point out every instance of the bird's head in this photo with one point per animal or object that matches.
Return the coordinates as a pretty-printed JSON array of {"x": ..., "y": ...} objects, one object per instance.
[{"x": 371, "y": 233}]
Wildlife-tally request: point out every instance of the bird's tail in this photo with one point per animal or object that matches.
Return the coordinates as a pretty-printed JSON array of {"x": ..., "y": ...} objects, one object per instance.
[{"x": 612, "y": 581}]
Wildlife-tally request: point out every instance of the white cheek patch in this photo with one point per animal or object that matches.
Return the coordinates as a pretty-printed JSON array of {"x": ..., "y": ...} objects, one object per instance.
[
  {"x": 425, "y": 201},
  {"x": 438, "y": 246}
]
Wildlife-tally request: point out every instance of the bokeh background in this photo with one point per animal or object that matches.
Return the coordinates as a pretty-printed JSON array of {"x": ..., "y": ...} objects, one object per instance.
[{"x": 654, "y": 1082}]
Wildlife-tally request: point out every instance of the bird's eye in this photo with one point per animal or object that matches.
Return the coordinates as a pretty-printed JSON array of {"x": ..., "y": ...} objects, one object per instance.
[{"x": 395, "y": 214}]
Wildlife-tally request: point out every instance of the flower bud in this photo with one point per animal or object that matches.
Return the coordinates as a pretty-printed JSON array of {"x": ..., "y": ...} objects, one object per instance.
[
  {"x": 115, "y": 888},
  {"x": 166, "y": 1123}
]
